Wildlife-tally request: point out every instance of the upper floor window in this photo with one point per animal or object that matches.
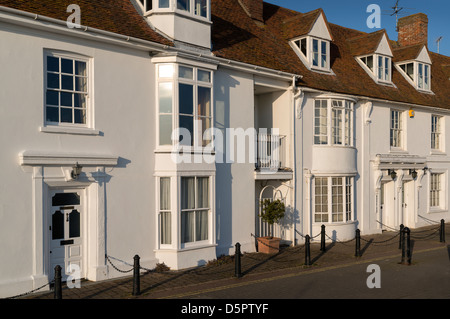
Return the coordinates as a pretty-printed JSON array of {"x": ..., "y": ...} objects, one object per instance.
[
  {"x": 436, "y": 132},
  {"x": 147, "y": 5},
  {"x": 418, "y": 73},
  {"x": 333, "y": 122},
  {"x": 314, "y": 52},
  {"x": 196, "y": 7},
  {"x": 378, "y": 67},
  {"x": 396, "y": 134},
  {"x": 66, "y": 90},
  {"x": 185, "y": 97}
]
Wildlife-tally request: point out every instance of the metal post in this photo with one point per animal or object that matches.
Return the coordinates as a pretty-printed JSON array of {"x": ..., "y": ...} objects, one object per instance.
[
  {"x": 136, "y": 277},
  {"x": 406, "y": 247},
  {"x": 58, "y": 284},
  {"x": 307, "y": 251},
  {"x": 400, "y": 239},
  {"x": 322, "y": 238},
  {"x": 237, "y": 261},
  {"x": 442, "y": 232},
  {"x": 358, "y": 243}
]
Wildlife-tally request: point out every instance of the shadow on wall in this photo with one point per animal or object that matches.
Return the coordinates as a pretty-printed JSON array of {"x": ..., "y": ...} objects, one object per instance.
[{"x": 224, "y": 202}]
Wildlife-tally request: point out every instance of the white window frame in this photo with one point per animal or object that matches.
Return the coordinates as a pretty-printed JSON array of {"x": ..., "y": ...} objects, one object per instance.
[
  {"x": 346, "y": 203},
  {"x": 169, "y": 211},
  {"x": 173, "y": 7},
  {"x": 442, "y": 191},
  {"x": 176, "y": 80},
  {"x": 437, "y": 133},
  {"x": 308, "y": 59},
  {"x": 209, "y": 209},
  {"x": 345, "y": 109},
  {"x": 378, "y": 71},
  {"x": 65, "y": 127},
  {"x": 397, "y": 129},
  {"x": 417, "y": 81}
]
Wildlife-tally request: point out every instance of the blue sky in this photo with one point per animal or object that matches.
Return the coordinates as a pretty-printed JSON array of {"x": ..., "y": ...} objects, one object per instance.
[{"x": 352, "y": 14}]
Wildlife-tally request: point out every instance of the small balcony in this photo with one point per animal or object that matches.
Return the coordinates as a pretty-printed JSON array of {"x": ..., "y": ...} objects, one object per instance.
[{"x": 271, "y": 158}]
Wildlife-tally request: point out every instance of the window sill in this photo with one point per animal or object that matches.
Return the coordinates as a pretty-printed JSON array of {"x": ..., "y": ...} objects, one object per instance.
[
  {"x": 69, "y": 130},
  {"x": 438, "y": 153},
  {"x": 436, "y": 210},
  {"x": 398, "y": 151}
]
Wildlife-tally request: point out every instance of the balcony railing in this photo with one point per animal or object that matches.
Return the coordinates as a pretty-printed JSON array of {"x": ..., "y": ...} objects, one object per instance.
[{"x": 271, "y": 152}]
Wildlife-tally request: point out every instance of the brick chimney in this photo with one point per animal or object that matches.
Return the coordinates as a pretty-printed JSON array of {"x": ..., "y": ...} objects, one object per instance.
[
  {"x": 254, "y": 9},
  {"x": 413, "y": 30}
]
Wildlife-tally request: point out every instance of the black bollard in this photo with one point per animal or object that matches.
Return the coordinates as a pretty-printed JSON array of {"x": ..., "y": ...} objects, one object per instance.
[
  {"x": 322, "y": 238},
  {"x": 400, "y": 240},
  {"x": 58, "y": 283},
  {"x": 358, "y": 243},
  {"x": 136, "y": 277},
  {"x": 307, "y": 251},
  {"x": 406, "y": 247},
  {"x": 442, "y": 232},
  {"x": 237, "y": 261}
]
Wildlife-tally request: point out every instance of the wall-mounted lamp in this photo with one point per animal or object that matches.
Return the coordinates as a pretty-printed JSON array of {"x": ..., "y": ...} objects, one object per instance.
[
  {"x": 413, "y": 173},
  {"x": 76, "y": 171},
  {"x": 392, "y": 173}
]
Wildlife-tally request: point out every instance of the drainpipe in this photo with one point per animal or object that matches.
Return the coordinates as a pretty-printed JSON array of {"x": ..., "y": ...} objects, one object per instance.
[{"x": 296, "y": 109}]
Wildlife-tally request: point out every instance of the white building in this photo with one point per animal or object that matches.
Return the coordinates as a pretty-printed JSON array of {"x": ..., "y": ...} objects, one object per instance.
[{"x": 335, "y": 112}]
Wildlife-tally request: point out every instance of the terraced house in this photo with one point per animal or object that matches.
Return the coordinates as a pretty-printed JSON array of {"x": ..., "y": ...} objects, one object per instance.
[{"x": 349, "y": 129}]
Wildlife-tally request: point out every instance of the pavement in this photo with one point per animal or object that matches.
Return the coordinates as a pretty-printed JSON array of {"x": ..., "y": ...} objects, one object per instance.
[{"x": 219, "y": 275}]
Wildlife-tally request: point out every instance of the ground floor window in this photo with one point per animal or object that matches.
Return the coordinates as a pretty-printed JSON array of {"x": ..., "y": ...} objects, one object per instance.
[
  {"x": 436, "y": 190},
  {"x": 333, "y": 199},
  {"x": 165, "y": 216},
  {"x": 195, "y": 208}
]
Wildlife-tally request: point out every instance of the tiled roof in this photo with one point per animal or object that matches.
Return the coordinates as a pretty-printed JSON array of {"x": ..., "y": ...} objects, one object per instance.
[
  {"x": 366, "y": 43},
  {"x": 118, "y": 16},
  {"x": 236, "y": 36},
  {"x": 410, "y": 52}
]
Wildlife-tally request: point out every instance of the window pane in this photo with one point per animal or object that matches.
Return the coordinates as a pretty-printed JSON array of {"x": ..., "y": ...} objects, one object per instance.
[
  {"x": 79, "y": 100},
  {"x": 315, "y": 52},
  {"x": 58, "y": 225},
  {"x": 387, "y": 68},
  {"x": 165, "y": 97},
  {"x": 201, "y": 225},
  {"x": 165, "y": 71},
  {"x": 74, "y": 224},
  {"x": 303, "y": 47},
  {"x": 52, "y": 114},
  {"x": 204, "y": 101},
  {"x": 80, "y": 68},
  {"x": 52, "y": 81},
  {"x": 187, "y": 227},
  {"x": 67, "y": 82},
  {"x": 203, "y": 192},
  {"x": 164, "y": 193},
  {"x": 166, "y": 232},
  {"x": 186, "y": 99},
  {"x": 206, "y": 125},
  {"x": 52, "y": 64},
  {"x": 324, "y": 55},
  {"x": 165, "y": 130},
  {"x": 163, "y": 3},
  {"x": 66, "y": 199},
  {"x": 67, "y": 66},
  {"x": 187, "y": 122},
  {"x": 204, "y": 76},
  {"x": 66, "y": 115},
  {"x": 183, "y": 5},
  {"x": 52, "y": 97},
  {"x": 80, "y": 84},
  {"x": 420, "y": 80},
  {"x": 201, "y": 8},
  {"x": 187, "y": 193},
  {"x": 66, "y": 99},
  {"x": 80, "y": 116},
  {"x": 185, "y": 73}
]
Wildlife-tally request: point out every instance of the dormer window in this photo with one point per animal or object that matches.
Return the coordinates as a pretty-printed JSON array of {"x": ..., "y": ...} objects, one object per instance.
[
  {"x": 147, "y": 5},
  {"x": 418, "y": 74},
  {"x": 196, "y": 7},
  {"x": 314, "y": 52},
  {"x": 378, "y": 67}
]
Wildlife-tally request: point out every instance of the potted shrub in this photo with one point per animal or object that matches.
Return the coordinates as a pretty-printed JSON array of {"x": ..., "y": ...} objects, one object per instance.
[{"x": 272, "y": 212}]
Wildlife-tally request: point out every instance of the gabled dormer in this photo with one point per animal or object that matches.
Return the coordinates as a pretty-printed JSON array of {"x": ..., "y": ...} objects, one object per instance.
[
  {"x": 414, "y": 63},
  {"x": 374, "y": 53},
  {"x": 310, "y": 37},
  {"x": 184, "y": 21}
]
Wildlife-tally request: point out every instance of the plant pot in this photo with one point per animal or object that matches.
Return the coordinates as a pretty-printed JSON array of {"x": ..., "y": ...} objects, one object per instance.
[{"x": 268, "y": 245}]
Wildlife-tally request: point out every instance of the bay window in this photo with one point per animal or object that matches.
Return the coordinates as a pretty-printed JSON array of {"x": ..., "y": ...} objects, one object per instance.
[
  {"x": 333, "y": 122},
  {"x": 333, "y": 198},
  {"x": 185, "y": 102},
  {"x": 165, "y": 217}
]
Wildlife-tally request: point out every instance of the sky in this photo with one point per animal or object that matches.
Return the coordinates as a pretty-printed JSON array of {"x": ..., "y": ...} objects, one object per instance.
[{"x": 353, "y": 14}]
